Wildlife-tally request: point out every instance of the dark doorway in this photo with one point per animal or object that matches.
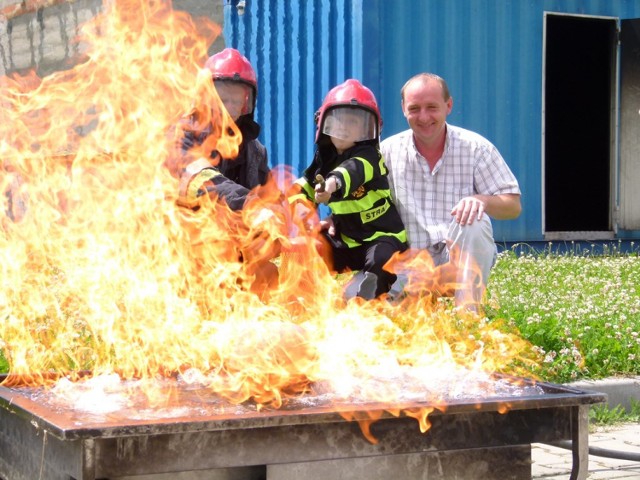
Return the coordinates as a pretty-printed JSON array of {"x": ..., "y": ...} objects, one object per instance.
[{"x": 579, "y": 74}]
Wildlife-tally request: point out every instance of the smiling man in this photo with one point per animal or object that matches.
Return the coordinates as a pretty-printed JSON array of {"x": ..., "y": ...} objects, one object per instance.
[{"x": 447, "y": 182}]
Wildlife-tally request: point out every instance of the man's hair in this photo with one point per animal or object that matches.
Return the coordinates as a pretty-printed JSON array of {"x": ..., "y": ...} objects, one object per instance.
[{"x": 424, "y": 77}]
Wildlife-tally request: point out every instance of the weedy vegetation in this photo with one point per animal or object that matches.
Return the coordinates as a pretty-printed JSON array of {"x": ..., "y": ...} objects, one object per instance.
[{"x": 579, "y": 309}]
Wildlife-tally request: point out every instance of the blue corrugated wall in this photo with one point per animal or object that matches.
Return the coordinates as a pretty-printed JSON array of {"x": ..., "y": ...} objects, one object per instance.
[
  {"x": 489, "y": 51},
  {"x": 300, "y": 49}
]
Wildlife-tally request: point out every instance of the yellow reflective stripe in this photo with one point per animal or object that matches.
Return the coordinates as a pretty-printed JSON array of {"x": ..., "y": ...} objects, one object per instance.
[
  {"x": 361, "y": 204},
  {"x": 351, "y": 243},
  {"x": 375, "y": 213},
  {"x": 202, "y": 177},
  {"x": 383, "y": 166},
  {"x": 347, "y": 180},
  {"x": 305, "y": 186},
  {"x": 298, "y": 197},
  {"x": 368, "y": 169},
  {"x": 368, "y": 174},
  {"x": 402, "y": 236}
]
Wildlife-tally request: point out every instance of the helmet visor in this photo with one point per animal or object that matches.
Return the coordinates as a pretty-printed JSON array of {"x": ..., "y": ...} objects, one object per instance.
[
  {"x": 350, "y": 123},
  {"x": 237, "y": 97}
]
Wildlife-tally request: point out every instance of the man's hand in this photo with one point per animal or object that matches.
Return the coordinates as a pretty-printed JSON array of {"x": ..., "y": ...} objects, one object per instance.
[
  {"x": 504, "y": 206},
  {"x": 468, "y": 210}
]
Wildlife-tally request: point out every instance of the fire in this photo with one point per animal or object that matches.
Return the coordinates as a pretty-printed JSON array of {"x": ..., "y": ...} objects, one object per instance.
[{"x": 103, "y": 272}]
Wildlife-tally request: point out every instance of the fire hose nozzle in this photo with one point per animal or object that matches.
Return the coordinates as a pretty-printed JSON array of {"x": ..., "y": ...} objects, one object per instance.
[
  {"x": 320, "y": 180},
  {"x": 192, "y": 181}
]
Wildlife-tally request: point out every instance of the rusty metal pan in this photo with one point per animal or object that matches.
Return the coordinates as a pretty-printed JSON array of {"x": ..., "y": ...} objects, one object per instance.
[{"x": 197, "y": 410}]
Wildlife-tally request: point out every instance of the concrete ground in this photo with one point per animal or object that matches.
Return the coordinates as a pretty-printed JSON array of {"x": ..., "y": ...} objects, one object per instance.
[{"x": 553, "y": 463}]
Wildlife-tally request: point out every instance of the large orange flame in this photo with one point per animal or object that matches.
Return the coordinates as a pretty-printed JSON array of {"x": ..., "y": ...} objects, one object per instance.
[{"x": 101, "y": 271}]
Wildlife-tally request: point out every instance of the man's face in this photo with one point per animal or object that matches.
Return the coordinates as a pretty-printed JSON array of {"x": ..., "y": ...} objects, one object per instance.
[
  {"x": 237, "y": 97},
  {"x": 426, "y": 110}
]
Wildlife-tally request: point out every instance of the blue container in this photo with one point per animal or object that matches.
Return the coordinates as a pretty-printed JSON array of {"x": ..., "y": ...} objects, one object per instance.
[{"x": 491, "y": 52}]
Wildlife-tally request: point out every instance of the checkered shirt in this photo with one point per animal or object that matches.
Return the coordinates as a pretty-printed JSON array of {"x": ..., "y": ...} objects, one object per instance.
[{"x": 469, "y": 165}]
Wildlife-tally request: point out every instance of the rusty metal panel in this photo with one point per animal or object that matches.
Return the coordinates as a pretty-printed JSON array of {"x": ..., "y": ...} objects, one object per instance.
[{"x": 28, "y": 452}]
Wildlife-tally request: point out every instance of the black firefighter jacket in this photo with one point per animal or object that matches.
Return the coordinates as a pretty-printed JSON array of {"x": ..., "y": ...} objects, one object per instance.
[
  {"x": 239, "y": 175},
  {"x": 362, "y": 208}
]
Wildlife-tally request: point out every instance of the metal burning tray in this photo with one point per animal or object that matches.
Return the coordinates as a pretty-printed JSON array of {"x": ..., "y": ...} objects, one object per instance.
[{"x": 195, "y": 430}]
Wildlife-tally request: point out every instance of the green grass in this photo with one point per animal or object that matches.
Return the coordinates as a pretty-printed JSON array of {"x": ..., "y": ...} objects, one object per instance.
[
  {"x": 4, "y": 365},
  {"x": 603, "y": 415},
  {"x": 580, "y": 310}
]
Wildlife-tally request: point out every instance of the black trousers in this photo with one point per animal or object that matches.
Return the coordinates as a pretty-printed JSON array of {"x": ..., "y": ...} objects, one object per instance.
[{"x": 368, "y": 259}]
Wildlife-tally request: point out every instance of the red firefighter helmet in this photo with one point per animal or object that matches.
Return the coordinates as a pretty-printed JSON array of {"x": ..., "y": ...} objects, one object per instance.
[
  {"x": 352, "y": 95},
  {"x": 230, "y": 65}
]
